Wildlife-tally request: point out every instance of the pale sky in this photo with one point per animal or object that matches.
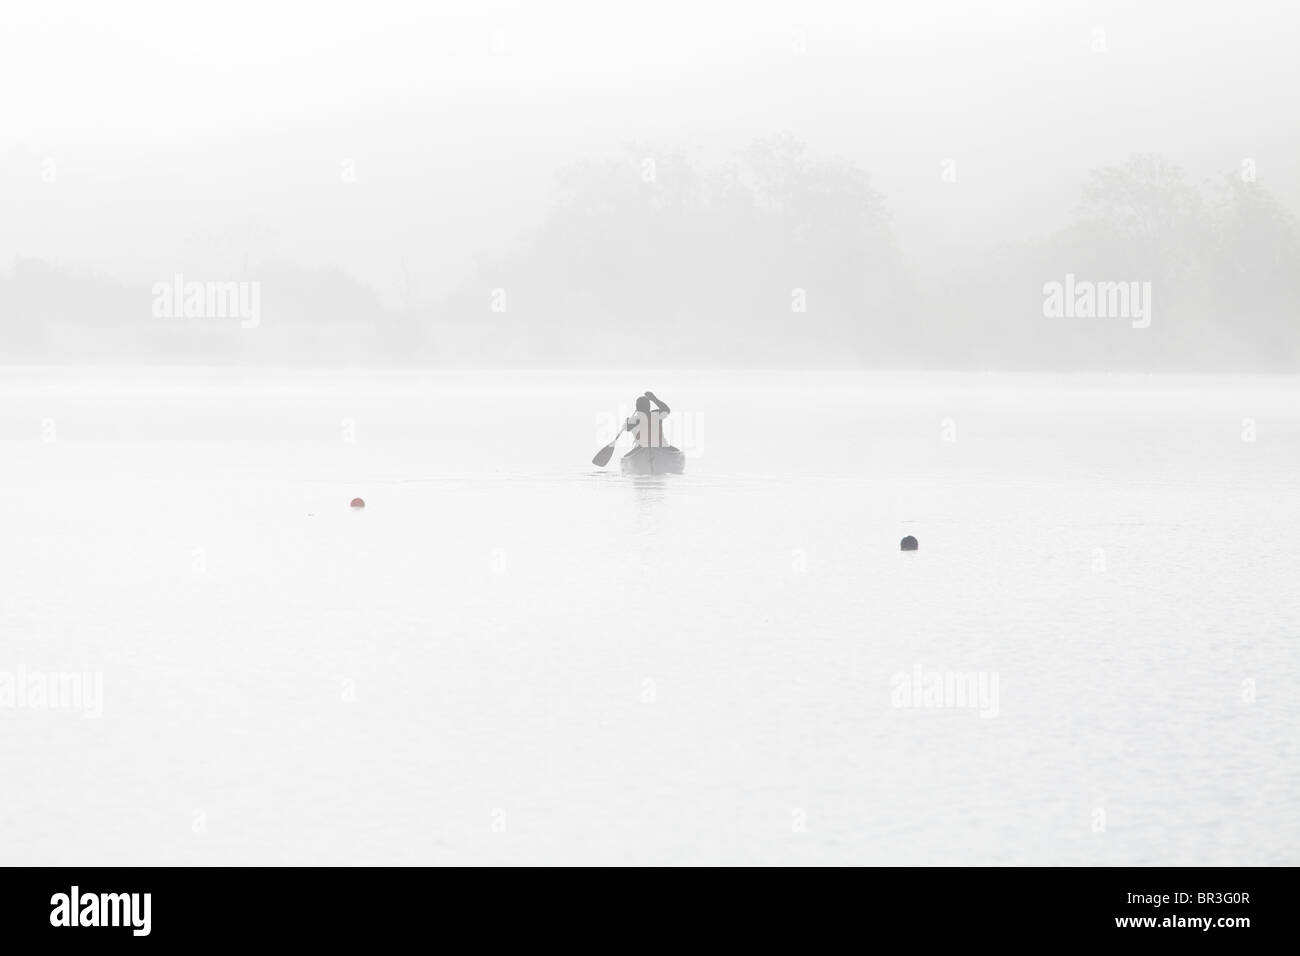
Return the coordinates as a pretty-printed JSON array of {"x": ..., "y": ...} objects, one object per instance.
[{"x": 168, "y": 143}]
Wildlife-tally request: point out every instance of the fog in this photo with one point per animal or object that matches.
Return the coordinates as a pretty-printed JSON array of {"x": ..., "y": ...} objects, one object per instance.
[
  {"x": 668, "y": 433},
  {"x": 676, "y": 184}
]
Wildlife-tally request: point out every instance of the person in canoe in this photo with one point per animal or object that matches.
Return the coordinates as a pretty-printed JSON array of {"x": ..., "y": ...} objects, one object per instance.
[
  {"x": 646, "y": 424},
  {"x": 651, "y": 455}
]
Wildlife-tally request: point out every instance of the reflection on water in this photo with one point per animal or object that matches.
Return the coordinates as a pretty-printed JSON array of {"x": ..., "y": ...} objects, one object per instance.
[{"x": 650, "y": 489}]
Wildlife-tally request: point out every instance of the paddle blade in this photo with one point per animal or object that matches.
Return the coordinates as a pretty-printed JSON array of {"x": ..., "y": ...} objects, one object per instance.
[{"x": 604, "y": 455}]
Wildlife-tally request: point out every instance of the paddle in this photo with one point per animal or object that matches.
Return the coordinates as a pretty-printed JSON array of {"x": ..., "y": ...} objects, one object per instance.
[{"x": 605, "y": 454}]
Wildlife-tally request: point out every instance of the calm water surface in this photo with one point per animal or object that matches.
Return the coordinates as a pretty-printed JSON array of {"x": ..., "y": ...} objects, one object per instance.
[{"x": 512, "y": 656}]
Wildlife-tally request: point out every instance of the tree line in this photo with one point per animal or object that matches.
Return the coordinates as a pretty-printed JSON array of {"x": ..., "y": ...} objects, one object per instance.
[{"x": 774, "y": 258}]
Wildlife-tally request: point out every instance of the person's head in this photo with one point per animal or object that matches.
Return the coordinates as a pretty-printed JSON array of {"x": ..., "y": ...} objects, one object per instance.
[{"x": 643, "y": 404}]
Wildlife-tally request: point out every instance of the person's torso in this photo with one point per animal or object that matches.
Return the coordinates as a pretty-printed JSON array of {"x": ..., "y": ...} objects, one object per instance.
[{"x": 649, "y": 429}]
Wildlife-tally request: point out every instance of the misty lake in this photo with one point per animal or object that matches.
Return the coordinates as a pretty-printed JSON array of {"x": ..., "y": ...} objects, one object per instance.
[{"x": 511, "y": 656}]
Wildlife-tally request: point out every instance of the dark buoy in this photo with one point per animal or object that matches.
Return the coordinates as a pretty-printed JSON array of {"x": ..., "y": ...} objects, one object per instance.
[
  {"x": 358, "y": 503},
  {"x": 908, "y": 543}
]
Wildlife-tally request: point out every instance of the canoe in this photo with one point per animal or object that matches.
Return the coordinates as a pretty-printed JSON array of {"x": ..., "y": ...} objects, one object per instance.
[{"x": 654, "y": 461}]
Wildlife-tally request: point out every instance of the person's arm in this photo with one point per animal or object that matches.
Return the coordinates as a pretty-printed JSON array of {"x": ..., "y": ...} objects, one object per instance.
[{"x": 660, "y": 404}]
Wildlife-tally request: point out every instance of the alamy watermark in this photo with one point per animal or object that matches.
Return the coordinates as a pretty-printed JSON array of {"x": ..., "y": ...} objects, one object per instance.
[
  {"x": 976, "y": 690},
  {"x": 75, "y": 908},
  {"x": 53, "y": 690},
  {"x": 1098, "y": 300},
  {"x": 179, "y": 299},
  {"x": 683, "y": 430}
]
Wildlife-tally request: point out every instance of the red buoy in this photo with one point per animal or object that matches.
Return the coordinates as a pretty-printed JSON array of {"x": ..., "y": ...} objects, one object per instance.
[{"x": 358, "y": 503}]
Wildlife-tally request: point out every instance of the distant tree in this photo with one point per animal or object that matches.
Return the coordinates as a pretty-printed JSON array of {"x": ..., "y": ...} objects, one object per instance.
[{"x": 654, "y": 257}]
